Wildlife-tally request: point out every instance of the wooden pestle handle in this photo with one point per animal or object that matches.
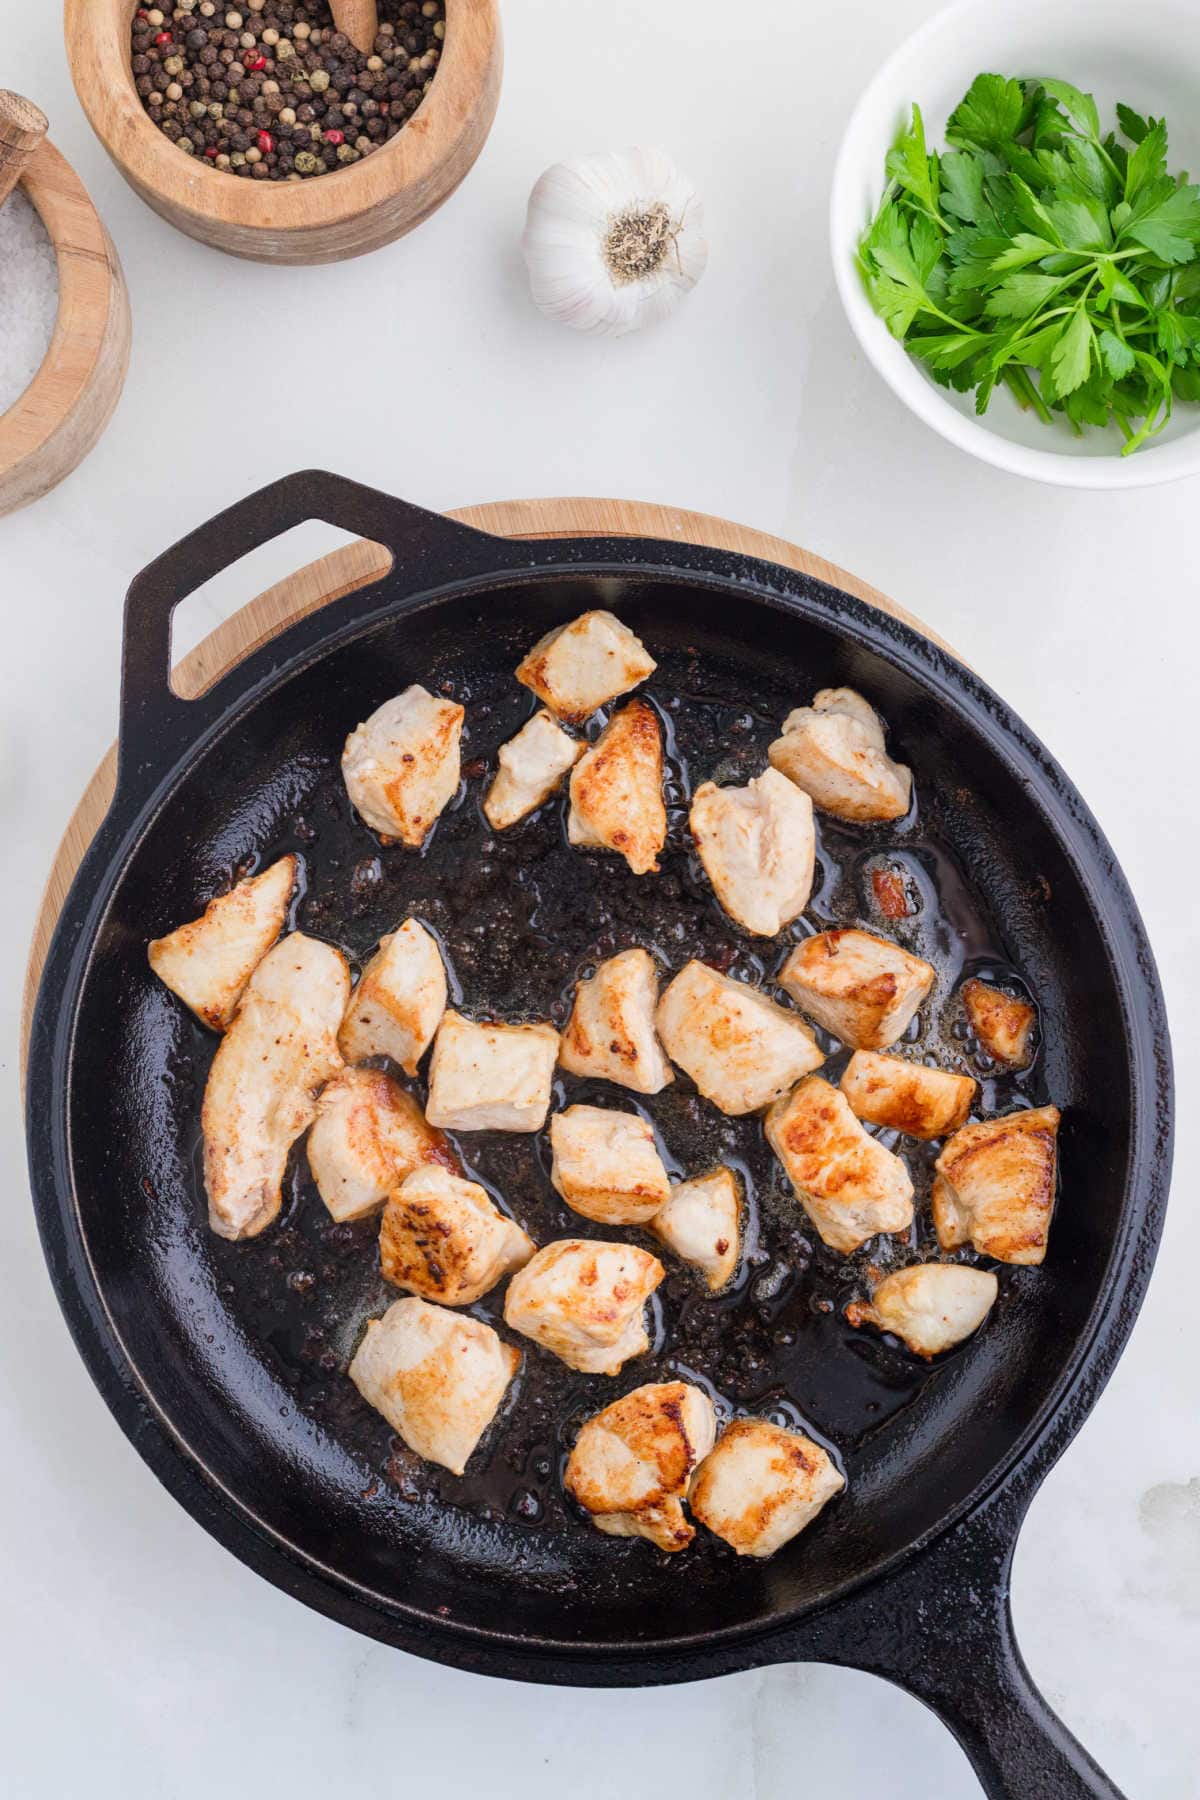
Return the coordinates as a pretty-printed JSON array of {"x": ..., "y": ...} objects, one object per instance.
[
  {"x": 22, "y": 128},
  {"x": 359, "y": 19}
]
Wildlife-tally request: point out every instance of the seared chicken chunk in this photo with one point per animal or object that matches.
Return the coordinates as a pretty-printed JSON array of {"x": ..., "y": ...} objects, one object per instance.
[
  {"x": 262, "y": 1088},
  {"x": 367, "y": 1136},
  {"x": 610, "y": 1034},
  {"x": 632, "y": 1463},
  {"x": 606, "y": 1165},
  {"x": 932, "y": 1306},
  {"x": 861, "y": 987},
  {"x": 762, "y": 1485},
  {"x": 847, "y": 1183},
  {"x": 1002, "y": 1023},
  {"x": 741, "y": 1049},
  {"x": 442, "y": 1238},
  {"x": 209, "y": 961},
  {"x": 995, "y": 1186},
  {"x": 437, "y": 1377},
  {"x": 758, "y": 847},
  {"x": 583, "y": 665},
  {"x": 398, "y": 1004},
  {"x": 402, "y": 766},
  {"x": 616, "y": 790},
  {"x": 834, "y": 750},
  {"x": 531, "y": 766},
  {"x": 907, "y": 1096},
  {"x": 491, "y": 1077},
  {"x": 702, "y": 1224},
  {"x": 585, "y": 1302}
]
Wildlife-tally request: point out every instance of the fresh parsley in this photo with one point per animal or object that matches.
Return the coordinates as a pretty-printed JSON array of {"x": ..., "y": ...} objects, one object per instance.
[{"x": 1036, "y": 252}]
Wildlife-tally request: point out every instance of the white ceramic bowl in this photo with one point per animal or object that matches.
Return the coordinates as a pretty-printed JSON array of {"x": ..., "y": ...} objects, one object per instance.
[{"x": 1144, "y": 52}]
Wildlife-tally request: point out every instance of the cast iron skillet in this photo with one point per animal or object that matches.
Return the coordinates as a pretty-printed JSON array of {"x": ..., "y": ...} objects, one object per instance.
[{"x": 222, "y": 1363}]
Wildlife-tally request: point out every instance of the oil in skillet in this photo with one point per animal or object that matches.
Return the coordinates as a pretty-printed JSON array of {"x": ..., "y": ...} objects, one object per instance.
[{"x": 521, "y": 916}]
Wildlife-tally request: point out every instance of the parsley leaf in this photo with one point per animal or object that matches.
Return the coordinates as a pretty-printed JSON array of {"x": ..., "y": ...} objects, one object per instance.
[{"x": 990, "y": 113}]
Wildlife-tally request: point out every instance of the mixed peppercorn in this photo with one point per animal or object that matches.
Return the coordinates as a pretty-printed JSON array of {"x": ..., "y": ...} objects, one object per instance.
[{"x": 270, "y": 90}]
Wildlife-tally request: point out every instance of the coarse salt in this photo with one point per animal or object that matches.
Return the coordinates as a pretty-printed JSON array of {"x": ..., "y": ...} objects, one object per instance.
[{"x": 28, "y": 296}]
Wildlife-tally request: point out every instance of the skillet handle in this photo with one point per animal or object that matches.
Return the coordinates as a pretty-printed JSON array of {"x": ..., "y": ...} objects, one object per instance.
[
  {"x": 423, "y": 544},
  {"x": 942, "y": 1629}
]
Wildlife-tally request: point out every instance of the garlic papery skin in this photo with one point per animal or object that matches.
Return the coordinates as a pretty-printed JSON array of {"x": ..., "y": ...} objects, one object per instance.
[{"x": 613, "y": 241}]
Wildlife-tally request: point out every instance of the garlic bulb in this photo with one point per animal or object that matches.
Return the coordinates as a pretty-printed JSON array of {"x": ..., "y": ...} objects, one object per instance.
[{"x": 613, "y": 241}]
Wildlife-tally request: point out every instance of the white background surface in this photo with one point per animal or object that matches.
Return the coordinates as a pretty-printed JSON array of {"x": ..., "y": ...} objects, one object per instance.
[{"x": 139, "y": 1659}]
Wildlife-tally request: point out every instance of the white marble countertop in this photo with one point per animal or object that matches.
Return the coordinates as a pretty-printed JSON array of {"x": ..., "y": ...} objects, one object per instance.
[{"x": 137, "y": 1657}]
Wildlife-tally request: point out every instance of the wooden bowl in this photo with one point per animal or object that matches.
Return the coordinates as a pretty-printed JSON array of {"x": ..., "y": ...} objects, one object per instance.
[
  {"x": 62, "y": 413},
  {"x": 321, "y": 220}
]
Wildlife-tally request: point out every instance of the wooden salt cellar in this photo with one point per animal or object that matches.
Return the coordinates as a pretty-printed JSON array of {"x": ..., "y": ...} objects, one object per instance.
[
  {"x": 65, "y": 408},
  {"x": 330, "y": 217}
]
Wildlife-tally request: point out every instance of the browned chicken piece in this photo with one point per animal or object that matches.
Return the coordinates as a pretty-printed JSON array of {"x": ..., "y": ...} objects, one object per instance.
[
  {"x": 402, "y": 766},
  {"x": 367, "y": 1136},
  {"x": 907, "y": 1096},
  {"x": 931, "y": 1307},
  {"x": 443, "y": 1238},
  {"x": 758, "y": 846},
  {"x": 581, "y": 666},
  {"x": 835, "y": 750},
  {"x": 702, "y": 1224},
  {"x": 740, "y": 1048},
  {"x": 848, "y": 1184},
  {"x": 437, "y": 1377},
  {"x": 610, "y": 1034},
  {"x": 633, "y": 1462},
  {"x": 491, "y": 1077},
  {"x": 606, "y": 1165},
  {"x": 585, "y": 1302},
  {"x": 531, "y": 766},
  {"x": 995, "y": 1186},
  {"x": 262, "y": 1087},
  {"x": 762, "y": 1485},
  {"x": 616, "y": 790},
  {"x": 209, "y": 961},
  {"x": 398, "y": 1004},
  {"x": 862, "y": 988},
  {"x": 1002, "y": 1023}
]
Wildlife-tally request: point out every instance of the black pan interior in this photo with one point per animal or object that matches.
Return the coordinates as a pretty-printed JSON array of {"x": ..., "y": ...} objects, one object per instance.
[{"x": 243, "y": 1347}]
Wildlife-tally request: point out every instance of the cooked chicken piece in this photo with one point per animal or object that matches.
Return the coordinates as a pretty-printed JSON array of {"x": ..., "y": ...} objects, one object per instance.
[
  {"x": 398, "y": 1004},
  {"x": 758, "y": 847},
  {"x": 585, "y": 664},
  {"x": 1002, "y": 1023},
  {"x": 402, "y": 765},
  {"x": 995, "y": 1186},
  {"x": 847, "y": 1183},
  {"x": 367, "y": 1136},
  {"x": 443, "y": 1238},
  {"x": 585, "y": 1301},
  {"x": 209, "y": 961},
  {"x": 834, "y": 750},
  {"x": 437, "y": 1377},
  {"x": 616, "y": 790},
  {"x": 702, "y": 1224},
  {"x": 531, "y": 766},
  {"x": 932, "y": 1306},
  {"x": 606, "y": 1165},
  {"x": 491, "y": 1077},
  {"x": 762, "y": 1485},
  {"x": 741, "y": 1049},
  {"x": 262, "y": 1088},
  {"x": 610, "y": 1034},
  {"x": 632, "y": 1463},
  {"x": 907, "y": 1096},
  {"x": 861, "y": 987}
]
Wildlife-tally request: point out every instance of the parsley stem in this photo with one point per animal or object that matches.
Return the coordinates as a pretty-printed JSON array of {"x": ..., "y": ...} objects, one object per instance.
[{"x": 1027, "y": 395}]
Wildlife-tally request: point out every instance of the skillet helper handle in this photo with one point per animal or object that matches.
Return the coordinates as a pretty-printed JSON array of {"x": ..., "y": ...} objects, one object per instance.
[
  {"x": 942, "y": 1629},
  {"x": 424, "y": 546}
]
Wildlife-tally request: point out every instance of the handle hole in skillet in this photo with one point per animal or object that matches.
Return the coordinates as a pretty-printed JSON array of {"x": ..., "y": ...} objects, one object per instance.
[{"x": 204, "y": 647}]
